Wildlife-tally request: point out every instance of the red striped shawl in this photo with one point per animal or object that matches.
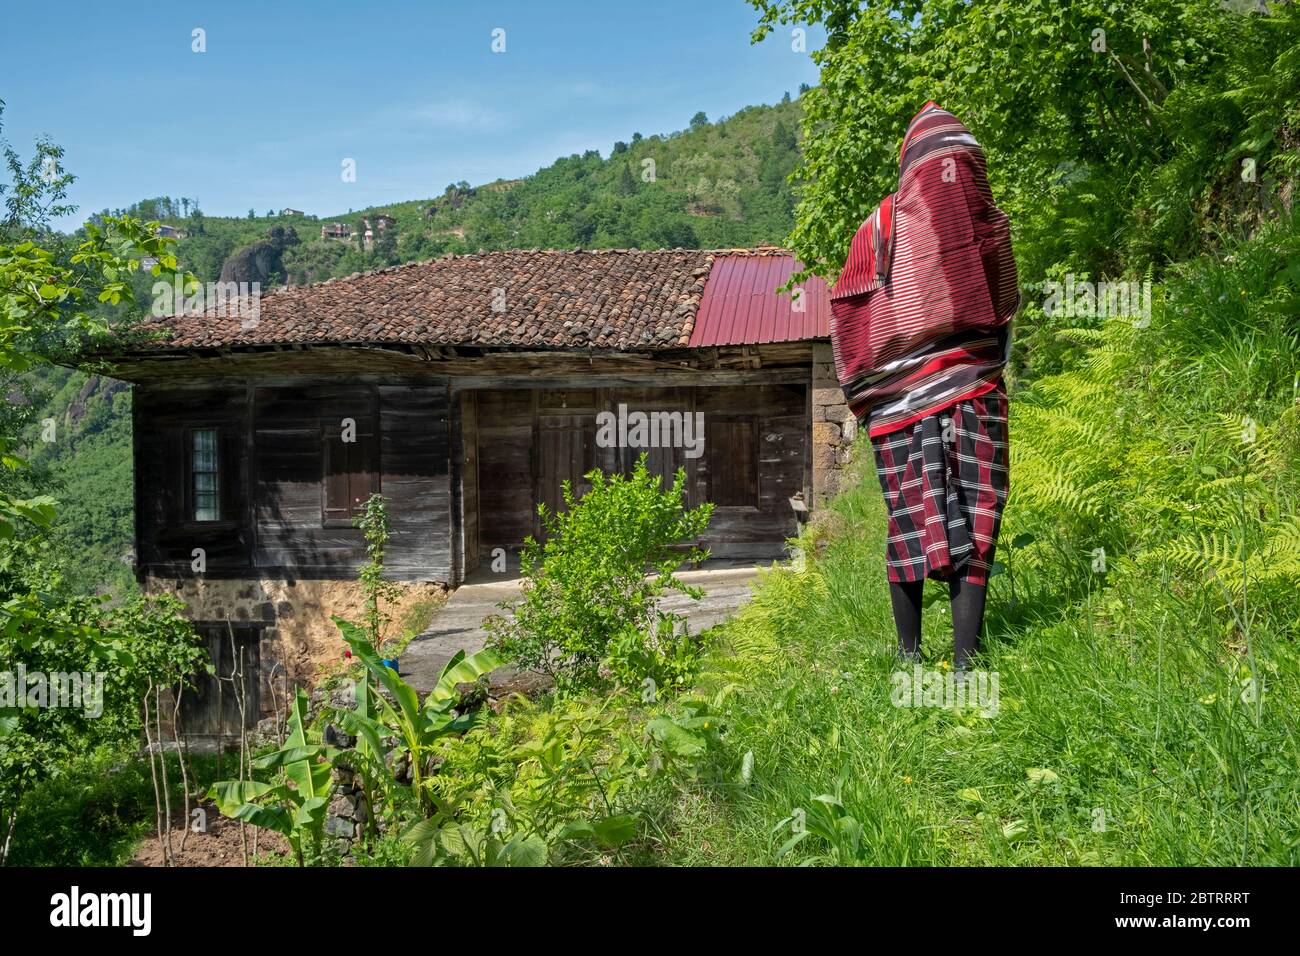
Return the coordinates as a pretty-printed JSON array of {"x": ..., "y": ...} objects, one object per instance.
[{"x": 921, "y": 311}]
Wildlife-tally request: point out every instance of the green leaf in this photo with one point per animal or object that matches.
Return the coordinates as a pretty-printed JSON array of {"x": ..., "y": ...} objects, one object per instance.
[
  {"x": 524, "y": 850},
  {"x": 268, "y": 818},
  {"x": 615, "y": 830},
  {"x": 312, "y": 812},
  {"x": 1040, "y": 776},
  {"x": 463, "y": 670},
  {"x": 675, "y": 739},
  {"x": 402, "y": 692},
  {"x": 230, "y": 795}
]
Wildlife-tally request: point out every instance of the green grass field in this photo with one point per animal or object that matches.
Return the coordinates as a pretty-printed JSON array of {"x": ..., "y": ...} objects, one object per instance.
[{"x": 1143, "y": 634}]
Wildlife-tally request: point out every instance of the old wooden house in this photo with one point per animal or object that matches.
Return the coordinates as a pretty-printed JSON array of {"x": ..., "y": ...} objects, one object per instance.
[{"x": 466, "y": 390}]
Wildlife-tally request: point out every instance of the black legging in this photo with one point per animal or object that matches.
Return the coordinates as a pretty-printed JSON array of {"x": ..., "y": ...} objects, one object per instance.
[{"x": 967, "y": 602}]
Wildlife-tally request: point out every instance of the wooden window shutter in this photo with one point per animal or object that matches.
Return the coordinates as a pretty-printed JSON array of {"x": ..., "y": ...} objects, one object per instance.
[
  {"x": 232, "y": 479},
  {"x": 351, "y": 473}
]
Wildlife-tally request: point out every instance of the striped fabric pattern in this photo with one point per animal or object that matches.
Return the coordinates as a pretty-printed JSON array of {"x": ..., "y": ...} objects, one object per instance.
[
  {"x": 945, "y": 484},
  {"x": 921, "y": 311}
]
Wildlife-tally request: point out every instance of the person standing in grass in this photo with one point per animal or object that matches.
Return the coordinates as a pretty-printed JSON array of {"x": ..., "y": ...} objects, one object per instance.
[{"x": 921, "y": 319}]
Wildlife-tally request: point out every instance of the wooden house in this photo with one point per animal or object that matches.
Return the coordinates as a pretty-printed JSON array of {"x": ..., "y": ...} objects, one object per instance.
[{"x": 466, "y": 390}]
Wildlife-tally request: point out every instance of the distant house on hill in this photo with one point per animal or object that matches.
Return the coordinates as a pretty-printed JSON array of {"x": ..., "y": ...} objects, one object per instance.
[
  {"x": 292, "y": 212},
  {"x": 465, "y": 390},
  {"x": 373, "y": 225},
  {"x": 169, "y": 232},
  {"x": 336, "y": 230}
]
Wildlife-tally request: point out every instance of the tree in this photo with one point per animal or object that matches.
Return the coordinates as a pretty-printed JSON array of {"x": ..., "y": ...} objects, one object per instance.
[
  {"x": 626, "y": 181},
  {"x": 698, "y": 120},
  {"x": 52, "y": 298},
  {"x": 1045, "y": 87}
]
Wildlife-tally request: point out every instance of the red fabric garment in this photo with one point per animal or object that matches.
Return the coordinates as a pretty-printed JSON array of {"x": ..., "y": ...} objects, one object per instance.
[{"x": 921, "y": 310}]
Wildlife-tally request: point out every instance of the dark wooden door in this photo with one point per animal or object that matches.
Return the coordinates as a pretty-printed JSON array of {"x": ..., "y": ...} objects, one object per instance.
[
  {"x": 565, "y": 452},
  {"x": 210, "y": 705}
]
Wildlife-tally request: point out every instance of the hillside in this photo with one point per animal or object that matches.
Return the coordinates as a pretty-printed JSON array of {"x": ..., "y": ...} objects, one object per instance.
[
  {"x": 718, "y": 184},
  {"x": 715, "y": 184}
]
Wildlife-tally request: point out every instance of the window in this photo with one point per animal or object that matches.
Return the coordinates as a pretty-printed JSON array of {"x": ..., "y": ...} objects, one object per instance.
[
  {"x": 351, "y": 473},
  {"x": 205, "y": 484},
  {"x": 731, "y": 445}
]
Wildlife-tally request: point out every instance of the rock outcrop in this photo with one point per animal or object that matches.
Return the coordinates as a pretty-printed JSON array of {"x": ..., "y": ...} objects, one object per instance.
[{"x": 261, "y": 260}]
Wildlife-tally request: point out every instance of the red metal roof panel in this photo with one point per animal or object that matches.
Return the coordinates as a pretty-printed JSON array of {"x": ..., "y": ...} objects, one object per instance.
[{"x": 740, "y": 304}]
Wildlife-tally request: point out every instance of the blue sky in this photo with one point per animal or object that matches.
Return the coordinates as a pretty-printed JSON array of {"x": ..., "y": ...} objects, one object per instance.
[{"x": 411, "y": 91}]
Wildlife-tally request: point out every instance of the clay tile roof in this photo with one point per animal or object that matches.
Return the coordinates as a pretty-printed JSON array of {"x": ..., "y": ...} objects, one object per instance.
[{"x": 610, "y": 299}]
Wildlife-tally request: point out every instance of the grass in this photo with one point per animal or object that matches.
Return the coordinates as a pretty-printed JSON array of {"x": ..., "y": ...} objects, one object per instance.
[
  {"x": 1147, "y": 705},
  {"x": 1154, "y": 759}
]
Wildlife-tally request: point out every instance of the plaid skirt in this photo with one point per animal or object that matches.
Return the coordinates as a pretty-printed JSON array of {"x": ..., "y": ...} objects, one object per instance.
[{"x": 945, "y": 484}]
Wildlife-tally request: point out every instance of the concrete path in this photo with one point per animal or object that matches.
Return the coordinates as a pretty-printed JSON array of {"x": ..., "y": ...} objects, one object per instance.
[{"x": 458, "y": 624}]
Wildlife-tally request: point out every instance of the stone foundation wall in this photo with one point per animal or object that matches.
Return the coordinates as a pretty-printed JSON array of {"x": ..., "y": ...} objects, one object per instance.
[
  {"x": 298, "y": 639},
  {"x": 833, "y": 426}
]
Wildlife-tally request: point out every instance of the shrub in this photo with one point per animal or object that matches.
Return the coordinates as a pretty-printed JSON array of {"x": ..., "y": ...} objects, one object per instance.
[{"x": 587, "y": 593}]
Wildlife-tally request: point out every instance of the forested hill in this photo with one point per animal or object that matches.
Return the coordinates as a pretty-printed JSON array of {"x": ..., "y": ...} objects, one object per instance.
[
  {"x": 711, "y": 185},
  {"x": 714, "y": 184}
]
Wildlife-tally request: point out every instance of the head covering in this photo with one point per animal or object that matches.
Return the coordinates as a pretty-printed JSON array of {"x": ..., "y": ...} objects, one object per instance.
[{"x": 920, "y": 310}]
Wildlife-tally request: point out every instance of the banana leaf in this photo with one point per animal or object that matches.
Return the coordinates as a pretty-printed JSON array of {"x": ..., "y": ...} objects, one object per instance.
[
  {"x": 230, "y": 795},
  {"x": 269, "y": 818}
]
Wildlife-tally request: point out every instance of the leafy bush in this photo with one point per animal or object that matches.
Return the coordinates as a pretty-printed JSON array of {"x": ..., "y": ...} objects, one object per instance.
[
  {"x": 97, "y": 808},
  {"x": 568, "y": 781},
  {"x": 588, "y": 600}
]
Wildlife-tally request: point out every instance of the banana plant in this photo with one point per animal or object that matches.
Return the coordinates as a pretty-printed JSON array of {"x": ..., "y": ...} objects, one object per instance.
[
  {"x": 295, "y": 805},
  {"x": 367, "y": 757},
  {"x": 417, "y": 727}
]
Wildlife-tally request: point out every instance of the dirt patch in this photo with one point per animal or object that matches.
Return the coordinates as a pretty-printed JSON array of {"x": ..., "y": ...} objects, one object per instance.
[{"x": 220, "y": 845}]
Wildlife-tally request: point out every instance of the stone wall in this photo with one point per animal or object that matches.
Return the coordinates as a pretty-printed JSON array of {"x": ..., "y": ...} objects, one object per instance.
[
  {"x": 833, "y": 426},
  {"x": 298, "y": 639}
]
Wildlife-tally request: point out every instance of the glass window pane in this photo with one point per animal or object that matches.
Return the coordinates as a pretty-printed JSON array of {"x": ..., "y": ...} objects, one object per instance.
[
  {"x": 205, "y": 507},
  {"x": 203, "y": 469}
]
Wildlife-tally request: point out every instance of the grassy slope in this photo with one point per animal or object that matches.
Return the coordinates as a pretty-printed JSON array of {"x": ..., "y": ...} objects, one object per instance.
[
  {"x": 1132, "y": 687},
  {"x": 1128, "y": 723}
]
